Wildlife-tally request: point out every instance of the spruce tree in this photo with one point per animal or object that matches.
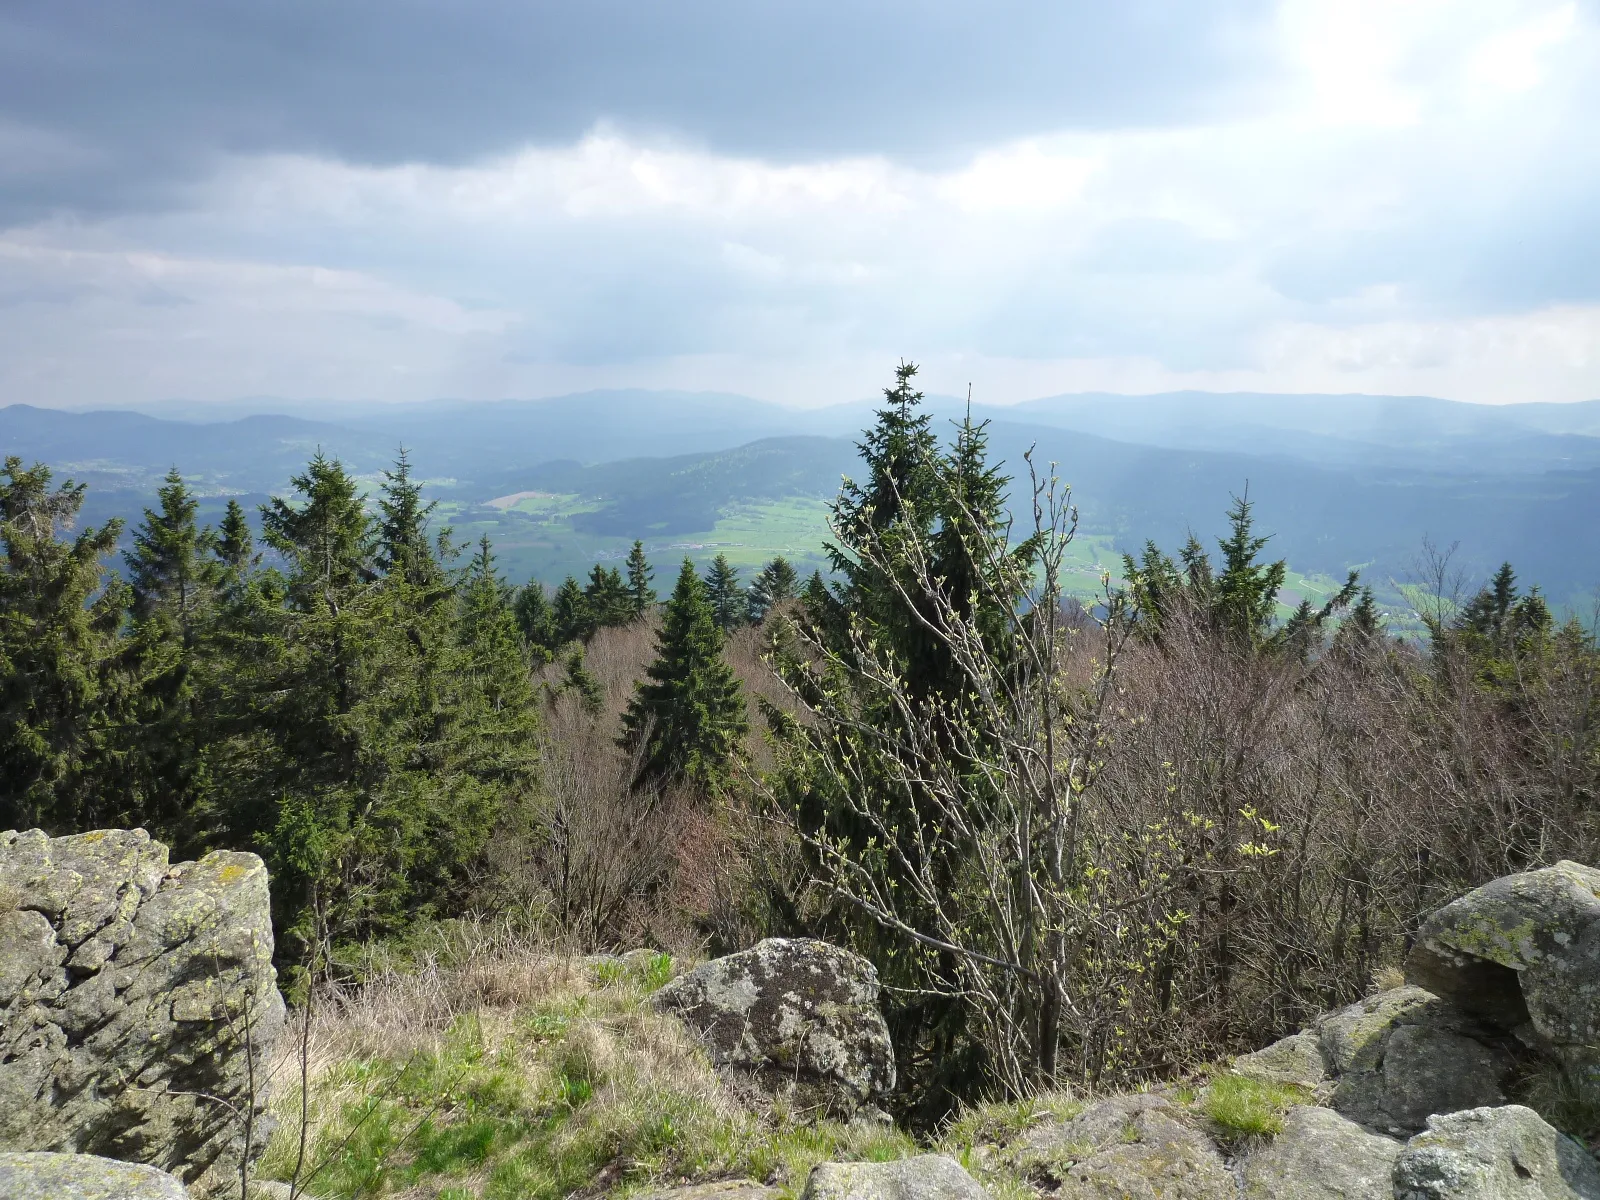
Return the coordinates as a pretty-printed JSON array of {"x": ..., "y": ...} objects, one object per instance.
[
  {"x": 327, "y": 537},
  {"x": 640, "y": 572},
  {"x": 607, "y": 599},
  {"x": 170, "y": 568},
  {"x": 776, "y": 583},
  {"x": 175, "y": 583},
  {"x": 570, "y": 616},
  {"x": 724, "y": 594},
  {"x": 402, "y": 535},
  {"x": 235, "y": 550},
  {"x": 687, "y": 719},
  {"x": 493, "y": 716},
  {"x": 535, "y": 619},
  {"x": 59, "y": 617}
]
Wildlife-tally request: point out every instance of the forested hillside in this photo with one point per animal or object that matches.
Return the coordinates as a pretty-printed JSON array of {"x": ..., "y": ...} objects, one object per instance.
[{"x": 1093, "y": 846}]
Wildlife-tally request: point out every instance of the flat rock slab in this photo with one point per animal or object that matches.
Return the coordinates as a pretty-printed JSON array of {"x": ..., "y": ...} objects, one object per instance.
[
  {"x": 926, "y": 1177},
  {"x": 1506, "y": 1153},
  {"x": 1322, "y": 1156},
  {"x": 45, "y": 1176}
]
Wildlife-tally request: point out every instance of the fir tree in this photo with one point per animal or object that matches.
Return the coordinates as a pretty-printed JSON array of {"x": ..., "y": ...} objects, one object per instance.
[
  {"x": 984, "y": 580},
  {"x": 1240, "y": 602},
  {"x": 774, "y": 584},
  {"x": 686, "y": 721},
  {"x": 495, "y": 714},
  {"x": 724, "y": 594},
  {"x": 640, "y": 573}
]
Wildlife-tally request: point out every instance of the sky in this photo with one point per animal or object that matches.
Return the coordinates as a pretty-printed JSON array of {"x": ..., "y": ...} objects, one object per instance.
[{"x": 401, "y": 200}]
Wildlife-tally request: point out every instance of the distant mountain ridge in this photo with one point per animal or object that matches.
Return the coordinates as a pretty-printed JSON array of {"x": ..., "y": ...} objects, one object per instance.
[{"x": 1341, "y": 480}]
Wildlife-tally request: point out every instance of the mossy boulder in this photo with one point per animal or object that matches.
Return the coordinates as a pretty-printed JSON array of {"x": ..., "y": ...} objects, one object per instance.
[
  {"x": 1523, "y": 953},
  {"x": 798, "y": 1016},
  {"x": 1321, "y": 1155},
  {"x": 1135, "y": 1145},
  {"x": 138, "y": 1003},
  {"x": 1505, "y": 1153}
]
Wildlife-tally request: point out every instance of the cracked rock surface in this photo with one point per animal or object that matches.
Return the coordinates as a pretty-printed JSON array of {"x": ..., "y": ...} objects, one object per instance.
[
  {"x": 137, "y": 1003},
  {"x": 799, "y": 1016}
]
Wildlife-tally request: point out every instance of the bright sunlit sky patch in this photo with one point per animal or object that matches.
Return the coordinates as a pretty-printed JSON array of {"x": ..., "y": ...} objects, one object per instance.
[{"x": 408, "y": 199}]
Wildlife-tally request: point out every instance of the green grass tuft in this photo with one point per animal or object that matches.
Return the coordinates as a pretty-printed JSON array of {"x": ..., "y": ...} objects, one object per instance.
[{"x": 1241, "y": 1107}]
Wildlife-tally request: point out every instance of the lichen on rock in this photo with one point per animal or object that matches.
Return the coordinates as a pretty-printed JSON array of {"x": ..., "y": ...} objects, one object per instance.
[
  {"x": 798, "y": 1016},
  {"x": 138, "y": 1003}
]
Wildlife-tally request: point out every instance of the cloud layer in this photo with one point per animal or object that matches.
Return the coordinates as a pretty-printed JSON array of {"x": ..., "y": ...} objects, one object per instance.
[{"x": 409, "y": 201}]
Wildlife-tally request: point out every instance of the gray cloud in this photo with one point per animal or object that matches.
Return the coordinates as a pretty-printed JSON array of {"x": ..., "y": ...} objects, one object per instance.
[{"x": 113, "y": 101}]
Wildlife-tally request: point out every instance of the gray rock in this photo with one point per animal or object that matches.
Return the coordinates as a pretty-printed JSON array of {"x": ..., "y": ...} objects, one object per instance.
[
  {"x": 136, "y": 1002},
  {"x": 926, "y": 1177},
  {"x": 1523, "y": 953},
  {"x": 45, "y": 1176},
  {"x": 1506, "y": 1153},
  {"x": 1404, "y": 1055},
  {"x": 1321, "y": 1156},
  {"x": 1296, "y": 1059},
  {"x": 727, "y": 1189},
  {"x": 799, "y": 1016},
  {"x": 1128, "y": 1146}
]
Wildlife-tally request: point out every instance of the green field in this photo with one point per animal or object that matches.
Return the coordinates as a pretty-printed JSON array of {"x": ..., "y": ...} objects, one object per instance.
[{"x": 534, "y": 538}]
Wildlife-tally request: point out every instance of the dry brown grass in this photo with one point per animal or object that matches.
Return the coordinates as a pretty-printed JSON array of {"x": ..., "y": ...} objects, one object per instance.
[{"x": 484, "y": 1065}]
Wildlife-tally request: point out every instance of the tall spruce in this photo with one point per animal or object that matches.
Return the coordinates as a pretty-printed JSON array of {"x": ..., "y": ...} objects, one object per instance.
[
  {"x": 570, "y": 617},
  {"x": 1239, "y": 603},
  {"x": 607, "y": 599},
  {"x": 775, "y": 584},
  {"x": 724, "y": 594},
  {"x": 175, "y": 582},
  {"x": 59, "y": 657},
  {"x": 687, "y": 718},
  {"x": 640, "y": 574},
  {"x": 403, "y": 545},
  {"x": 535, "y": 619},
  {"x": 171, "y": 568}
]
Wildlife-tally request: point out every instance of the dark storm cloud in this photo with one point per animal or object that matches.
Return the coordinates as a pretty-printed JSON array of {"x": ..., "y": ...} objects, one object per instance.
[{"x": 106, "y": 103}]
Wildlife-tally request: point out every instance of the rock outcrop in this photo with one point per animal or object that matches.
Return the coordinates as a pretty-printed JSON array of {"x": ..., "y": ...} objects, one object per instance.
[
  {"x": 1392, "y": 1060},
  {"x": 1505, "y": 1153},
  {"x": 1322, "y": 1156},
  {"x": 799, "y": 1017},
  {"x": 1523, "y": 955},
  {"x": 926, "y": 1177},
  {"x": 138, "y": 1003},
  {"x": 1126, "y": 1146},
  {"x": 45, "y": 1176}
]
